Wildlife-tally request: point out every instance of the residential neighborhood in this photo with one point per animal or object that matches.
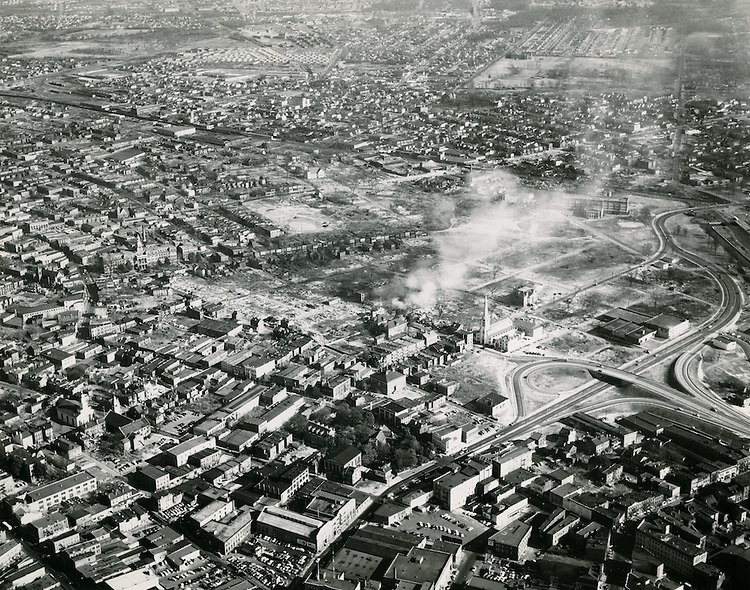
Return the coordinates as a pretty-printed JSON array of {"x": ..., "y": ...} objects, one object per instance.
[{"x": 361, "y": 294}]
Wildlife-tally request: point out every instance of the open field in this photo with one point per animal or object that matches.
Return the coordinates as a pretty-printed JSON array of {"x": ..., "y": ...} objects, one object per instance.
[
  {"x": 572, "y": 72},
  {"x": 366, "y": 199},
  {"x": 571, "y": 343},
  {"x": 534, "y": 399},
  {"x": 558, "y": 379},
  {"x": 539, "y": 245},
  {"x": 294, "y": 216},
  {"x": 579, "y": 311},
  {"x": 673, "y": 303},
  {"x": 628, "y": 232},
  {"x": 694, "y": 298},
  {"x": 253, "y": 294},
  {"x": 563, "y": 252},
  {"x": 592, "y": 263},
  {"x": 479, "y": 373},
  {"x": 107, "y": 43},
  {"x": 725, "y": 372}
]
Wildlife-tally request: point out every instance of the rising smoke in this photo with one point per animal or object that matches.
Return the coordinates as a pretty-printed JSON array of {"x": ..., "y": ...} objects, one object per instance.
[
  {"x": 500, "y": 209},
  {"x": 483, "y": 235}
]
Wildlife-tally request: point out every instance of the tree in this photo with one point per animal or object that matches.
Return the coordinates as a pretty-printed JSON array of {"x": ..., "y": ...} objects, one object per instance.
[
  {"x": 343, "y": 415},
  {"x": 322, "y": 415},
  {"x": 579, "y": 209},
  {"x": 428, "y": 452},
  {"x": 347, "y": 415},
  {"x": 39, "y": 470},
  {"x": 645, "y": 214},
  {"x": 710, "y": 355},
  {"x": 369, "y": 454},
  {"x": 297, "y": 426},
  {"x": 496, "y": 268},
  {"x": 368, "y": 418},
  {"x": 404, "y": 459},
  {"x": 345, "y": 437},
  {"x": 407, "y": 453},
  {"x": 362, "y": 433}
]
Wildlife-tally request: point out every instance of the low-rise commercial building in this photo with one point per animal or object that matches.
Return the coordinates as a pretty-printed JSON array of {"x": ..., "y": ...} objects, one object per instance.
[
  {"x": 510, "y": 542},
  {"x": 46, "y": 497}
]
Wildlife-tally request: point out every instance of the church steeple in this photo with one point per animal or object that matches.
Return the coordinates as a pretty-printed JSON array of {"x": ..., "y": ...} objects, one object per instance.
[
  {"x": 486, "y": 321},
  {"x": 140, "y": 242}
]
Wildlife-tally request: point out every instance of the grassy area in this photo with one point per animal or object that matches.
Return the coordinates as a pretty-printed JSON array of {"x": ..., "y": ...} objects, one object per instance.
[
  {"x": 670, "y": 302},
  {"x": 593, "y": 263},
  {"x": 570, "y": 343},
  {"x": 616, "y": 355}
]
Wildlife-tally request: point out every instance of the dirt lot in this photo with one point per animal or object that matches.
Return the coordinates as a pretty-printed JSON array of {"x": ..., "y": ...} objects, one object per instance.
[
  {"x": 634, "y": 234},
  {"x": 616, "y": 355},
  {"x": 670, "y": 302},
  {"x": 364, "y": 199},
  {"x": 687, "y": 280},
  {"x": 293, "y": 215},
  {"x": 558, "y": 379},
  {"x": 586, "y": 305},
  {"x": 572, "y": 344},
  {"x": 555, "y": 264},
  {"x": 591, "y": 264},
  {"x": 253, "y": 294},
  {"x": 479, "y": 373},
  {"x": 652, "y": 296},
  {"x": 725, "y": 372},
  {"x": 569, "y": 253},
  {"x": 534, "y": 400}
]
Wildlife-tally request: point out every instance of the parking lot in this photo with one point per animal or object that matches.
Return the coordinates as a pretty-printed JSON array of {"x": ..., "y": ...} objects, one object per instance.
[
  {"x": 269, "y": 562},
  {"x": 201, "y": 574},
  {"x": 435, "y": 523},
  {"x": 179, "y": 422}
]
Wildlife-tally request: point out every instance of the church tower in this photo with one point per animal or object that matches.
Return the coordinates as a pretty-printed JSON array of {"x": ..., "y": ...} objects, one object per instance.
[
  {"x": 141, "y": 254},
  {"x": 486, "y": 322}
]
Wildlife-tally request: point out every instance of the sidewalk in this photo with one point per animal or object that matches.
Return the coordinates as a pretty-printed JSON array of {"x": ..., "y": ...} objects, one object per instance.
[{"x": 377, "y": 488}]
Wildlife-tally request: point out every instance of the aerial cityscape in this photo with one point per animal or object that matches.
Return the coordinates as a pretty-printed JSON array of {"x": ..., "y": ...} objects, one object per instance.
[{"x": 375, "y": 294}]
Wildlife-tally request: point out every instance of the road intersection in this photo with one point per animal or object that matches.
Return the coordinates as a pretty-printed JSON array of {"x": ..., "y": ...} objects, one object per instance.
[{"x": 695, "y": 400}]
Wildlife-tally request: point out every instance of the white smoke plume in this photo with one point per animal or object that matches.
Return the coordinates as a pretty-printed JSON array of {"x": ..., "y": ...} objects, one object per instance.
[{"x": 500, "y": 208}]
